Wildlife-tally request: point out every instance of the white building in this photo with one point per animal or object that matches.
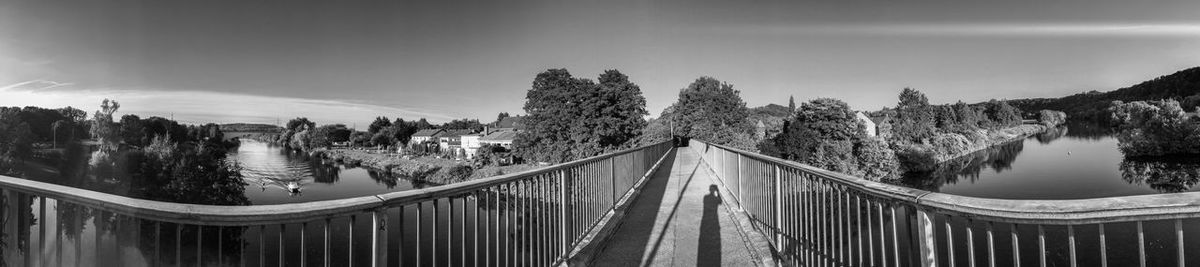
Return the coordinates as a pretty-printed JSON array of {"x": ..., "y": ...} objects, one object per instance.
[
  {"x": 871, "y": 131},
  {"x": 424, "y": 135},
  {"x": 501, "y": 138},
  {"x": 470, "y": 144}
]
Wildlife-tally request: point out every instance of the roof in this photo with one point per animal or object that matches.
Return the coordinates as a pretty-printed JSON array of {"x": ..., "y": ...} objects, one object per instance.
[
  {"x": 455, "y": 133},
  {"x": 427, "y": 133},
  {"x": 500, "y": 136}
]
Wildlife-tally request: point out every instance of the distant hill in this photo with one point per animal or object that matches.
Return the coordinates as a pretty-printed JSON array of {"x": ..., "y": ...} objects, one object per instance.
[
  {"x": 772, "y": 110},
  {"x": 1091, "y": 105},
  {"x": 250, "y": 127},
  {"x": 772, "y": 116}
]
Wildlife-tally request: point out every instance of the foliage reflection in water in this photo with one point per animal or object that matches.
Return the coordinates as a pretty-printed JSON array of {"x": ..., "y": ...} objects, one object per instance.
[
  {"x": 1069, "y": 162},
  {"x": 276, "y": 175}
]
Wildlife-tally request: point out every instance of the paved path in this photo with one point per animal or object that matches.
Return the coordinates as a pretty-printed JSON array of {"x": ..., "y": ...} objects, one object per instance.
[{"x": 677, "y": 220}]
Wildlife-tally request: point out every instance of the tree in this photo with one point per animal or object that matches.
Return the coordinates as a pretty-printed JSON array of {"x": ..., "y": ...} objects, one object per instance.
[
  {"x": 826, "y": 134},
  {"x": 501, "y": 116},
  {"x": 791, "y": 103},
  {"x": 1051, "y": 118},
  {"x": 328, "y": 134},
  {"x": 423, "y": 124},
  {"x": 109, "y": 137},
  {"x": 1190, "y": 103},
  {"x": 573, "y": 118},
  {"x": 295, "y": 124},
  {"x": 1154, "y": 128},
  {"x": 132, "y": 130},
  {"x": 915, "y": 119},
  {"x": 709, "y": 110},
  {"x": 467, "y": 124},
  {"x": 911, "y": 97},
  {"x": 379, "y": 123},
  {"x": 968, "y": 117},
  {"x": 1002, "y": 115},
  {"x": 16, "y": 140},
  {"x": 491, "y": 155},
  {"x": 360, "y": 138}
]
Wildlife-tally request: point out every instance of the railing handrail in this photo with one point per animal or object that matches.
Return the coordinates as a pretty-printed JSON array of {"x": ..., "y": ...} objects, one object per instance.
[
  {"x": 1025, "y": 211},
  {"x": 197, "y": 214}
]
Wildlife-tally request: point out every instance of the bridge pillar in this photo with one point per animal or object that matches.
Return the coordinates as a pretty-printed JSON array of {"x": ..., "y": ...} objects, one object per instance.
[{"x": 925, "y": 240}]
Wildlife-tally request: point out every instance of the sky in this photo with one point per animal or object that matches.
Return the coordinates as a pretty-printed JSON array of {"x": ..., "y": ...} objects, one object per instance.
[{"x": 349, "y": 61}]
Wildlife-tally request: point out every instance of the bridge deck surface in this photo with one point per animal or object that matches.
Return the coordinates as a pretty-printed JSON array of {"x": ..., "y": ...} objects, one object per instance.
[{"x": 678, "y": 220}]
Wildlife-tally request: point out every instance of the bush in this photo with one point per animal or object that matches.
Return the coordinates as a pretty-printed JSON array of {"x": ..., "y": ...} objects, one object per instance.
[
  {"x": 876, "y": 161},
  {"x": 1051, "y": 118},
  {"x": 1154, "y": 128},
  {"x": 914, "y": 157},
  {"x": 460, "y": 172}
]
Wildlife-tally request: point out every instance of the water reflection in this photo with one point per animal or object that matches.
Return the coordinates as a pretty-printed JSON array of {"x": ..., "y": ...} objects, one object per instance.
[
  {"x": 36, "y": 231},
  {"x": 1163, "y": 174},
  {"x": 1051, "y": 134},
  {"x": 1076, "y": 161},
  {"x": 1089, "y": 131},
  {"x": 276, "y": 175},
  {"x": 966, "y": 168}
]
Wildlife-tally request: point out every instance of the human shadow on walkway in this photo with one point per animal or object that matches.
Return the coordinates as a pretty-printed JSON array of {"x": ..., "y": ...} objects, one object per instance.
[
  {"x": 631, "y": 241},
  {"x": 709, "y": 250}
]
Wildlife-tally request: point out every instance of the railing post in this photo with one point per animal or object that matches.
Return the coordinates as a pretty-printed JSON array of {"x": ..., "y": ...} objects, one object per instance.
[
  {"x": 612, "y": 178},
  {"x": 562, "y": 214},
  {"x": 925, "y": 238},
  {"x": 738, "y": 173},
  {"x": 778, "y": 208},
  {"x": 378, "y": 237}
]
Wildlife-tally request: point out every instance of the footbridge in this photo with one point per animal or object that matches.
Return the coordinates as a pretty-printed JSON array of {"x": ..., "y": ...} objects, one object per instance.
[{"x": 657, "y": 205}]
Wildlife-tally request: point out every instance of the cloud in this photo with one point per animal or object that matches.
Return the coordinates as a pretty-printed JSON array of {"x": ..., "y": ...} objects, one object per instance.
[
  {"x": 34, "y": 85},
  {"x": 203, "y": 107},
  {"x": 981, "y": 29}
]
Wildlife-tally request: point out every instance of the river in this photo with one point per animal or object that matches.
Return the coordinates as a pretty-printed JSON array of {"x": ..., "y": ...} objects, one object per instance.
[
  {"x": 1075, "y": 161},
  {"x": 270, "y": 171}
]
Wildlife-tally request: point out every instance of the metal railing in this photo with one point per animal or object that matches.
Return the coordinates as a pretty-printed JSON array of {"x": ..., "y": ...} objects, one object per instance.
[
  {"x": 532, "y": 218},
  {"x": 821, "y": 218}
]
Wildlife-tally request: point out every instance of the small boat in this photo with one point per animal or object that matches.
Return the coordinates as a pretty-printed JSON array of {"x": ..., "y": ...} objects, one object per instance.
[{"x": 293, "y": 187}]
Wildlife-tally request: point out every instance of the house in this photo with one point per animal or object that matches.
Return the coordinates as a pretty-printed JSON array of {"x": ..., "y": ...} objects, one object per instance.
[
  {"x": 450, "y": 140},
  {"x": 501, "y": 138},
  {"x": 862, "y": 118},
  {"x": 470, "y": 144},
  {"x": 424, "y": 135}
]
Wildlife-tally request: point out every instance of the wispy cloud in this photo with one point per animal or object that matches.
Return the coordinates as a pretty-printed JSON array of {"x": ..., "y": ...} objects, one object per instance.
[
  {"x": 981, "y": 29},
  {"x": 203, "y": 107},
  {"x": 34, "y": 85}
]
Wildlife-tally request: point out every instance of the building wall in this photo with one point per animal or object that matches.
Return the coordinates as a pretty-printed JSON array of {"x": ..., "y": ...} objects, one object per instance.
[
  {"x": 871, "y": 131},
  {"x": 471, "y": 141}
]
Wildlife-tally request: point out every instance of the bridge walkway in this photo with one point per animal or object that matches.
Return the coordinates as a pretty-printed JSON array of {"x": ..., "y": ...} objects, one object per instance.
[{"x": 679, "y": 219}]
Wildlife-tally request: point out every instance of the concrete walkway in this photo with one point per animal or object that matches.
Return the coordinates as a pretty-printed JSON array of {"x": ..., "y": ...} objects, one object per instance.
[{"x": 677, "y": 220}]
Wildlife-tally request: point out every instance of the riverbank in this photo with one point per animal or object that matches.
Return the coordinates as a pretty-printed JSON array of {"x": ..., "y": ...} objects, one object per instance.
[
  {"x": 995, "y": 138},
  {"x": 428, "y": 169},
  {"x": 948, "y": 146}
]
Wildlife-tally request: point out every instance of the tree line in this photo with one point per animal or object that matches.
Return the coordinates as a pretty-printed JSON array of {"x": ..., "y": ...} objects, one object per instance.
[{"x": 152, "y": 158}]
